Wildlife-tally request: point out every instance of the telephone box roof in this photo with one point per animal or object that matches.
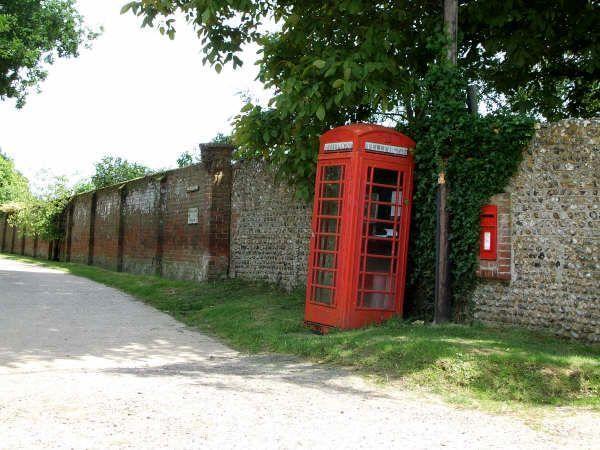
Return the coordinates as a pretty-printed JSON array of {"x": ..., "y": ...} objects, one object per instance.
[{"x": 360, "y": 129}]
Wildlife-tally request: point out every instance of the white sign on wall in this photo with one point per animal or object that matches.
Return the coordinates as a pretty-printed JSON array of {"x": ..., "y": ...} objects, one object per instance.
[{"x": 192, "y": 216}]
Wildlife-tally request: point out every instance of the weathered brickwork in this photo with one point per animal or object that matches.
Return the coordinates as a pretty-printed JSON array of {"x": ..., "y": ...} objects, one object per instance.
[
  {"x": 139, "y": 221},
  {"x": 270, "y": 229},
  {"x": 29, "y": 245},
  {"x": 13, "y": 240},
  {"x": 174, "y": 223},
  {"x": 105, "y": 248},
  {"x": 185, "y": 246},
  {"x": 78, "y": 229},
  {"x": 555, "y": 237}
]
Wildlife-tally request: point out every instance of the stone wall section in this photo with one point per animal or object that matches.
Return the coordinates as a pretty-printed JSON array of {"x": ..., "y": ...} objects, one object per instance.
[
  {"x": 555, "y": 237},
  {"x": 270, "y": 228}
]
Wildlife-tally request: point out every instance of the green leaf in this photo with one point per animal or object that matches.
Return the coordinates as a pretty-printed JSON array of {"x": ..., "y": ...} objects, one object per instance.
[
  {"x": 338, "y": 83},
  {"x": 321, "y": 112},
  {"x": 319, "y": 63},
  {"x": 126, "y": 7},
  {"x": 218, "y": 67}
]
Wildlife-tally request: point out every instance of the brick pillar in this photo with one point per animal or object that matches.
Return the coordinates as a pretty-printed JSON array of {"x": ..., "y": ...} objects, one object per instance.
[
  {"x": 94, "y": 201},
  {"x": 23, "y": 233},
  {"x": 4, "y": 231},
  {"x": 160, "y": 233},
  {"x": 35, "y": 246},
  {"x": 216, "y": 159},
  {"x": 121, "y": 226},
  {"x": 69, "y": 235},
  {"x": 14, "y": 238}
]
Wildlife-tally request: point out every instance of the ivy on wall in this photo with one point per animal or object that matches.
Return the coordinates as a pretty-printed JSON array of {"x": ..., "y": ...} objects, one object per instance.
[{"x": 479, "y": 155}]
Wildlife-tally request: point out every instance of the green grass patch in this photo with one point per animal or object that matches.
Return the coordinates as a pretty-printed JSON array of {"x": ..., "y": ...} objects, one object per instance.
[{"x": 475, "y": 365}]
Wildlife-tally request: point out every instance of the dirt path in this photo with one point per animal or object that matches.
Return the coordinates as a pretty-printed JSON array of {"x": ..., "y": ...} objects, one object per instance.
[{"x": 85, "y": 366}]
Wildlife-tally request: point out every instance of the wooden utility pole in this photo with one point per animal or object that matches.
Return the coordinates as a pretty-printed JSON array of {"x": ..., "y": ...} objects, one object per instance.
[{"x": 442, "y": 274}]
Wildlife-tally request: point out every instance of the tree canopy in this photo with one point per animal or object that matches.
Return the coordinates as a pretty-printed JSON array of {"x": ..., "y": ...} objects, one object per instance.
[
  {"x": 330, "y": 63},
  {"x": 32, "y": 34},
  {"x": 14, "y": 187},
  {"x": 113, "y": 169}
]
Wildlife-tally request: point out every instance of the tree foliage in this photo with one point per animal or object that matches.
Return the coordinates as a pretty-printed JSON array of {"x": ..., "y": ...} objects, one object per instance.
[
  {"x": 544, "y": 56},
  {"x": 14, "y": 187},
  {"x": 32, "y": 34},
  {"x": 113, "y": 169},
  {"x": 40, "y": 214},
  {"x": 354, "y": 60}
]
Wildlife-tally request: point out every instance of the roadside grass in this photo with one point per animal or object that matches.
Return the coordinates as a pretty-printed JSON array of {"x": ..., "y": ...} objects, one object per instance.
[{"x": 497, "y": 369}]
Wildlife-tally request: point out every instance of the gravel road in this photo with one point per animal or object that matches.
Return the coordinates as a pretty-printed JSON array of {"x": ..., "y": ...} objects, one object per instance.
[{"x": 86, "y": 366}]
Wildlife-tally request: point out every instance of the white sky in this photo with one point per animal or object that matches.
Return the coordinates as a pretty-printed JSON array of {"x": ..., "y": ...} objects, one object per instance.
[{"x": 134, "y": 94}]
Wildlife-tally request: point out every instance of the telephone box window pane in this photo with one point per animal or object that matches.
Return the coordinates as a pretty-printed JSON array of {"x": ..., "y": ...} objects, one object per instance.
[
  {"x": 327, "y": 243},
  {"x": 379, "y": 247},
  {"x": 384, "y": 176},
  {"x": 332, "y": 173},
  {"x": 328, "y": 225},
  {"x": 382, "y": 194},
  {"x": 325, "y": 260},
  {"x": 378, "y": 300},
  {"x": 330, "y": 208},
  {"x": 376, "y": 282},
  {"x": 324, "y": 278},
  {"x": 331, "y": 190},
  {"x": 323, "y": 295},
  {"x": 378, "y": 264}
]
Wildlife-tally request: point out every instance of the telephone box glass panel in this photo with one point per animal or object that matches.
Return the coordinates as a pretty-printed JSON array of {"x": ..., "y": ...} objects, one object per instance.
[
  {"x": 330, "y": 193},
  {"x": 380, "y": 239}
]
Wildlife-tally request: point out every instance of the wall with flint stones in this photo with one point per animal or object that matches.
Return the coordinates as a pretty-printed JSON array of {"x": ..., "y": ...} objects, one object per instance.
[
  {"x": 554, "y": 282},
  {"x": 270, "y": 228}
]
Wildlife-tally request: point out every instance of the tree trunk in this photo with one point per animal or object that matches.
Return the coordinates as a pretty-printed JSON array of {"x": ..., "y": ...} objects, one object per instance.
[{"x": 442, "y": 309}]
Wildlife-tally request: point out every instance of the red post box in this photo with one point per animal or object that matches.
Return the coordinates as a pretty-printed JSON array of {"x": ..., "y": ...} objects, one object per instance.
[
  {"x": 360, "y": 226},
  {"x": 488, "y": 237}
]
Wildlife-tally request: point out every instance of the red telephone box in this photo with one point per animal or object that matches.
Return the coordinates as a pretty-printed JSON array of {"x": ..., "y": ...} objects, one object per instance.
[{"x": 360, "y": 225}]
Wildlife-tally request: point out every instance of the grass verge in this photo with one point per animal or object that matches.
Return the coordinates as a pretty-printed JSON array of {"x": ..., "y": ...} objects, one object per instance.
[{"x": 473, "y": 365}]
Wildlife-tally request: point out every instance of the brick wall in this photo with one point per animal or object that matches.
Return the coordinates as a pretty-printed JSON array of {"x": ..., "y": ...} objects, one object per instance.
[
  {"x": 270, "y": 228},
  {"x": 174, "y": 223},
  {"x": 554, "y": 223},
  {"x": 105, "y": 230},
  {"x": 14, "y": 240},
  {"x": 78, "y": 229}
]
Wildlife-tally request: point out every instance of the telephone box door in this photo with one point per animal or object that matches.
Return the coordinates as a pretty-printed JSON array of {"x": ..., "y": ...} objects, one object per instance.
[
  {"x": 324, "y": 284},
  {"x": 380, "y": 259}
]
